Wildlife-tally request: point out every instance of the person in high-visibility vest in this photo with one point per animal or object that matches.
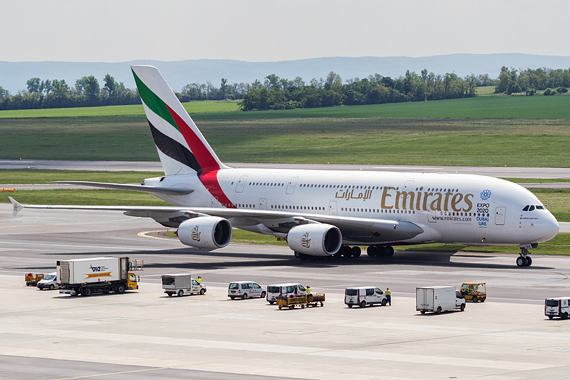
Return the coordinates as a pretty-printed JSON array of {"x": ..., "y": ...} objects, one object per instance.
[
  {"x": 199, "y": 280},
  {"x": 388, "y": 296},
  {"x": 308, "y": 289}
]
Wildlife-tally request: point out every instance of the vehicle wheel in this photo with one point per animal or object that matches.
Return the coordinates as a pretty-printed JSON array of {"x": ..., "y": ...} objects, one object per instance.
[
  {"x": 120, "y": 288},
  {"x": 291, "y": 307},
  {"x": 362, "y": 304},
  {"x": 482, "y": 299},
  {"x": 528, "y": 261},
  {"x": 180, "y": 293},
  {"x": 244, "y": 296},
  {"x": 475, "y": 299},
  {"x": 169, "y": 294},
  {"x": 302, "y": 306},
  {"x": 384, "y": 302},
  {"x": 86, "y": 292},
  {"x": 565, "y": 316},
  {"x": 202, "y": 291},
  {"x": 51, "y": 287},
  {"x": 462, "y": 307},
  {"x": 232, "y": 297},
  {"x": 423, "y": 311},
  {"x": 349, "y": 306},
  {"x": 263, "y": 295},
  {"x": 280, "y": 307},
  {"x": 550, "y": 317},
  {"x": 271, "y": 302},
  {"x": 355, "y": 251},
  {"x": 438, "y": 311},
  {"x": 521, "y": 261},
  {"x": 40, "y": 288}
]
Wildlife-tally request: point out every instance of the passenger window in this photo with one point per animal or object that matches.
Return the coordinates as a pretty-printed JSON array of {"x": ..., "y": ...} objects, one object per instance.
[
  {"x": 256, "y": 286},
  {"x": 369, "y": 292},
  {"x": 301, "y": 288},
  {"x": 290, "y": 289},
  {"x": 378, "y": 291}
]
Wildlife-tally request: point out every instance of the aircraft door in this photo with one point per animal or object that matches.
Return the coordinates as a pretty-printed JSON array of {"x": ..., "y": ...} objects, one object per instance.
[
  {"x": 409, "y": 185},
  {"x": 291, "y": 185},
  {"x": 241, "y": 183},
  {"x": 332, "y": 207},
  {"x": 431, "y": 216},
  {"x": 500, "y": 213},
  {"x": 263, "y": 203}
]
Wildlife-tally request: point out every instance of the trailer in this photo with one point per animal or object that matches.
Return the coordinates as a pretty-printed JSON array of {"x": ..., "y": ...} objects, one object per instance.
[
  {"x": 95, "y": 275},
  {"x": 181, "y": 284},
  {"x": 302, "y": 300},
  {"x": 33, "y": 279},
  {"x": 437, "y": 299}
]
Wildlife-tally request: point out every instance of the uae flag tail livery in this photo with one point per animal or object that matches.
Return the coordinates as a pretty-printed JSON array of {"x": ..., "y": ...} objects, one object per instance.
[{"x": 181, "y": 146}]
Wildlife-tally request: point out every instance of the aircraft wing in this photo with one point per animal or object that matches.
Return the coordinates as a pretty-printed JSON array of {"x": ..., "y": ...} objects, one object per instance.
[{"x": 363, "y": 230}]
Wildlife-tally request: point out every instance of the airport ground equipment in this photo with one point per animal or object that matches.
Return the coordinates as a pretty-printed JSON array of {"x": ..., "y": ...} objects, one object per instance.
[
  {"x": 33, "y": 279},
  {"x": 48, "y": 282},
  {"x": 302, "y": 300},
  {"x": 274, "y": 291},
  {"x": 557, "y": 307},
  {"x": 96, "y": 275},
  {"x": 181, "y": 284},
  {"x": 437, "y": 299},
  {"x": 364, "y": 295},
  {"x": 474, "y": 291}
]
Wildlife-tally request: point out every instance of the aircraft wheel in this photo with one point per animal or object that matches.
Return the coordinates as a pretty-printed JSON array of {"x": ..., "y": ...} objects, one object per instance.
[
  {"x": 521, "y": 261},
  {"x": 528, "y": 262},
  {"x": 389, "y": 251},
  {"x": 372, "y": 250},
  {"x": 355, "y": 251},
  {"x": 297, "y": 254}
]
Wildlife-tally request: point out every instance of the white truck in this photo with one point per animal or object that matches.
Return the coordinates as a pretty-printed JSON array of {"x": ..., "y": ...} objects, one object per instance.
[
  {"x": 95, "y": 275},
  {"x": 438, "y": 299},
  {"x": 181, "y": 284},
  {"x": 557, "y": 307}
]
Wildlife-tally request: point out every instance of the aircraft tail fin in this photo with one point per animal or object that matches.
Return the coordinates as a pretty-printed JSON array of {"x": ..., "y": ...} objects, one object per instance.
[{"x": 181, "y": 146}]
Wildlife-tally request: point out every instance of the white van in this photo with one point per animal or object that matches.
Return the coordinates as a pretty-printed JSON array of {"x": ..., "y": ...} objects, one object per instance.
[
  {"x": 364, "y": 295},
  {"x": 245, "y": 289},
  {"x": 48, "y": 282},
  {"x": 557, "y": 307},
  {"x": 274, "y": 291}
]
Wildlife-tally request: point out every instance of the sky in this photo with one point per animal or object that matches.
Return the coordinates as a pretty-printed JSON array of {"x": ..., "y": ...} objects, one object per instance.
[{"x": 271, "y": 30}]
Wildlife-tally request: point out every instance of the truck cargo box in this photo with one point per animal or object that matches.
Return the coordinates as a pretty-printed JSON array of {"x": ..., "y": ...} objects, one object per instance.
[{"x": 92, "y": 270}]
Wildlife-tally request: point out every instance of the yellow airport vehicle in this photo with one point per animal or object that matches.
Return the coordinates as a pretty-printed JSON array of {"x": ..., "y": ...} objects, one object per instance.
[
  {"x": 475, "y": 291},
  {"x": 302, "y": 300},
  {"x": 33, "y": 279}
]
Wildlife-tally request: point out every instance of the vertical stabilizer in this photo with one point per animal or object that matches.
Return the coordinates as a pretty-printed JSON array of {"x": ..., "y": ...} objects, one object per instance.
[{"x": 181, "y": 146}]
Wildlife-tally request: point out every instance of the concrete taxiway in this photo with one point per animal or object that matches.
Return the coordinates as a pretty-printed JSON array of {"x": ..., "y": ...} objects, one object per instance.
[{"x": 145, "y": 334}]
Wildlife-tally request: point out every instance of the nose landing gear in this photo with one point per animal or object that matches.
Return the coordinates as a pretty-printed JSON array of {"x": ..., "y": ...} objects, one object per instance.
[{"x": 524, "y": 260}]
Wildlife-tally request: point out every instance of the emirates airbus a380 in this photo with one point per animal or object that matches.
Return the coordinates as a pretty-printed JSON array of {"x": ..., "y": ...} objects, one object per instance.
[{"x": 318, "y": 212}]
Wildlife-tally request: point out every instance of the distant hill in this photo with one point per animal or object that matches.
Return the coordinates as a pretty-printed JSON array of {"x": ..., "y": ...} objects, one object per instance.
[{"x": 13, "y": 75}]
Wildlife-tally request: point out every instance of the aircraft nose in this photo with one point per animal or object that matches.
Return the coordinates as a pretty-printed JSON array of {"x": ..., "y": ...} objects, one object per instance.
[{"x": 549, "y": 226}]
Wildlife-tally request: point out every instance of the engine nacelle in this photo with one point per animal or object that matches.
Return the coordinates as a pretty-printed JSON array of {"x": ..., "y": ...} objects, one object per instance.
[
  {"x": 315, "y": 239},
  {"x": 205, "y": 232}
]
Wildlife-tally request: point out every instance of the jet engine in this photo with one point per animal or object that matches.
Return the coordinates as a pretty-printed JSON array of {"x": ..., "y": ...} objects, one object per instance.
[
  {"x": 205, "y": 232},
  {"x": 315, "y": 239}
]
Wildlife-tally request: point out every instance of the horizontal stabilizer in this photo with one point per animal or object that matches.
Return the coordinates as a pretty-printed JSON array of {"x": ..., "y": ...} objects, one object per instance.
[{"x": 142, "y": 188}]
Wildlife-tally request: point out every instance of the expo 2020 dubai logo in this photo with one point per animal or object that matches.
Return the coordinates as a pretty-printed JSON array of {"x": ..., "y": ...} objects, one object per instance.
[{"x": 485, "y": 194}]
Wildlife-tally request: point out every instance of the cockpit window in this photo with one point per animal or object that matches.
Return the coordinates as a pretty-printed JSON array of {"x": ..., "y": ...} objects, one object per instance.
[
  {"x": 531, "y": 208},
  {"x": 525, "y": 208},
  {"x": 540, "y": 207}
]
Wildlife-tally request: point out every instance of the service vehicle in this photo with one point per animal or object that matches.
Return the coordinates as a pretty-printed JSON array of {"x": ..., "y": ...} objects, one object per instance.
[
  {"x": 274, "y": 291},
  {"x": 474, "y": 291},
  {"x": 245, "y": 289},
  {"x": 438, "y": 299},
  {"x": 557, "y": 307},
  {"x": 364, "y": 295},
  {"x": 302, "y": 300},
  {"x": 181, "y": 284},
  {"x": 33, "y": 279},
  {"x": 95, "y": 275},
  {"x": 48, "y": 282}
]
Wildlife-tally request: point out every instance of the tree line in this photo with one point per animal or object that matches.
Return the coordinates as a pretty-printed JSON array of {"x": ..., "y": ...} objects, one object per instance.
[
  {"x": 58, "y": 94},
  {"x": 530, "y": 81},
  {"x": 281, "y": 93}
]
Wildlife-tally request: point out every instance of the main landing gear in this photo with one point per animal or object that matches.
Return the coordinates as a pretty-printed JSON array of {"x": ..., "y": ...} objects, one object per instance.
[
  {"x": 380, "y": 251},
  {"x": 524, "y": 260}
]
